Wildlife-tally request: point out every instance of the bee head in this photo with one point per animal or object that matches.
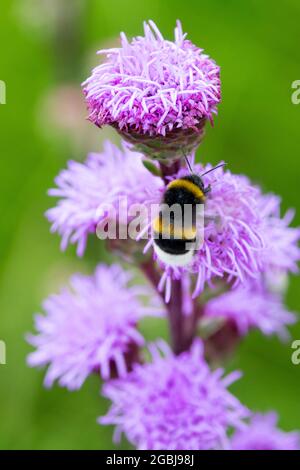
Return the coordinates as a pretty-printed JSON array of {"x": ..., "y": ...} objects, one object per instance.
[{"x": 196, "y": 179}]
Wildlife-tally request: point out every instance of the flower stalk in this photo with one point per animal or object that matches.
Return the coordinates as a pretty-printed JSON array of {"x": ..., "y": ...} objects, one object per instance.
[
  {"x": 182, "y": 327},
  {"x": 158, "y": 95}
]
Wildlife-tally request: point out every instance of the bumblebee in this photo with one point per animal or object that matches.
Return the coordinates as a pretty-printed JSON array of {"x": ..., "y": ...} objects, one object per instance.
[{"x": 174, "y": 234}]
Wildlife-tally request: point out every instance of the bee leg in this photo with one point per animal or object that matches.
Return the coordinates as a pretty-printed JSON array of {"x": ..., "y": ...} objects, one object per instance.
[{"x": 207, "y": 189}]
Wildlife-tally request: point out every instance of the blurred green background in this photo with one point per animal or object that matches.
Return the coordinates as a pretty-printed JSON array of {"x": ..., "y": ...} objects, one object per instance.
[{"x": 47, "y": 49}]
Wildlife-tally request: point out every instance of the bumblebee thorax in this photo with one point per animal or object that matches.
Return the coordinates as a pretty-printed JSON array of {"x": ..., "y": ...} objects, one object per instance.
[{"x": 186, "y": 190}]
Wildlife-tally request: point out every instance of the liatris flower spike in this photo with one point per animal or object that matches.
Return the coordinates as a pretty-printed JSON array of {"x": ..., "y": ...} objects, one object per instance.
[
  {"x": 174, "y": 403},
  {"x": 91, "y": 328},
  {"x": 263, "y": 434},
  {"x": 266, "y": 310},
  {"x": 244, "y": 234},
  {"x": 157, "y": 93},
  {"x": 86, "y": 189}
]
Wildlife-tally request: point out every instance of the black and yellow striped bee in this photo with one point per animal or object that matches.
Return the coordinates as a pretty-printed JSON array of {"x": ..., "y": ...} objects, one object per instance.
[{"x": 174, "y": 233}]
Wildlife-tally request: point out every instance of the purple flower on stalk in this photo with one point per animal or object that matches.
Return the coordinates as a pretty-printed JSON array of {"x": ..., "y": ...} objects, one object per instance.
[
  {"x": 244, "y": 234},
  {"x": 281, "y": 248},
  {"x": 252, "y": 307},
  {"x": 152, "y": 87},
  {"x": 87, "y": 189},
  {"x": 263, "y": 434},
  {"x": 90, "y": 327},
  {"x": 174, "y": 402}
]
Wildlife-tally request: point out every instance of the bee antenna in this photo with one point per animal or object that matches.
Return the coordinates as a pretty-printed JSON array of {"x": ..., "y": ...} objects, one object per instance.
[
  {"x": 188, "y": 163},
  {"x": 214, "y": 168}
]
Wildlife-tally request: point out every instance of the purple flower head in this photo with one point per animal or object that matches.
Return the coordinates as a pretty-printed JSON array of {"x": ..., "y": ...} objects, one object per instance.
[
  {"x": 263, "y": 434},
  {"x": 174, "y": 402},
  {"x": 153, "y": 88},
  {"x": 281, "y": 248},
  {"x": 87, "y": 189},
  {"x": 244, "y": 234},
  {"x": 252, "y": 307},
  {"x": 91, "y": 327}
]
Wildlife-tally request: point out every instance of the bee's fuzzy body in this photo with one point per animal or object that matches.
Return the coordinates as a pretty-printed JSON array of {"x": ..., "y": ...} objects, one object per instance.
[{"x": 173, "y": 238}]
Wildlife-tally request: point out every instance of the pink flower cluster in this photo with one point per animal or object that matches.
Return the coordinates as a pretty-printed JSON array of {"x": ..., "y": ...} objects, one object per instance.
[
  {"x": 152, "y": 90},
  {"x": 153, "y": 86}
]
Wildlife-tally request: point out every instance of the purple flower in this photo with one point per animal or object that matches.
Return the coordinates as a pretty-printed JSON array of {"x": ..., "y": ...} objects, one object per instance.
[
  {"x": 87, "y": 189},
  {"x": 174, "y": 403},
  {"x": 244, "y": 234},
  {"x": 154, "y": 87},
  {"x": 252, "y": 307},
  {"x": 91, "y": 327},
  {"x": 281, "y": 242},
  {"x": 262, "y": 434}
]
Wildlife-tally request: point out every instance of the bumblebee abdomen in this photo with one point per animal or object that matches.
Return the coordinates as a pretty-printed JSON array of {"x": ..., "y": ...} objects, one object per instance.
[
  {"x": 174, "y": 232},
  {"x": 173, "y": 247},
  {"x": 173, "y": 241}
]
